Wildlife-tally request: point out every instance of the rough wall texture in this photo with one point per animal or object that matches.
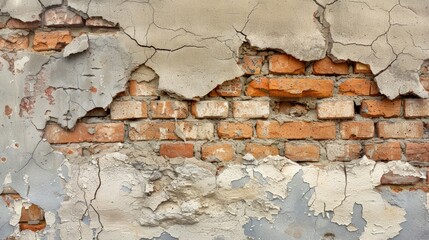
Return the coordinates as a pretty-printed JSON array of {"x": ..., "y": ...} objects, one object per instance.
[{"x": 214, "y": 119}]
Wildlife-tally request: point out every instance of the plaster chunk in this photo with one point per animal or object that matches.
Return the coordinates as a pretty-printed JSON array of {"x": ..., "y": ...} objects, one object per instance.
[{"x": 77, "y": 45}]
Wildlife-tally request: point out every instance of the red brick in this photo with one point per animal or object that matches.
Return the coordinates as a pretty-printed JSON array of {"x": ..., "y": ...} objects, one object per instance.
[
  {"x": 230, "y": 88},
  {"x": 395, "y": 179},
  {"x": 251, "y": 64},
  {"x": 344, "y": 109},
  {"x": 260, "y": 151},
  {"x": 169, "y": 109},
  {"x": 358, "y": 87},
  {"x": 326, "y": 66},
  {"x": 143, "y": 88},
  {"x": 292, "y": 109},
  {"x": 18, "y": 24},
  {"x": 357, "y": 130},
  {"x": 301, "y": 87},
  {"x": 218, "y": 152},
  {"x": 383, "y": 151},
  {"x": 210, "y": 109},
  {"x": 417, "y": 152},
  {"x": 61, "y": 16},
  {"x": 405, "y": 129},
  {"x": 84, "y": 132},
  {"x": 251, "y": 109},
  {"x": 362, "y": 68},
  {"x": 55, "y": 40},
  {"x": 16, "y": 40},
  {"x": 258, "y": 88},
  {"x": 381, "y": 108},
  {"x": 99, "y": 22},
  {"x": 143, "y": 130},
  {"x": 284, "y": 63},
  {"x": 343, "y": 152},
  {"x": 32, "y": 227},
  {"x": 302, "y": 152},
  {"x": 424, "y": 80},
  {"x": 131, "y": 109},
  {"x": 295, "y": 130},
  {"x": 235, "y": 130},
  {"x": 173, "y": 150},
  {"x": 416, "y": 108},
  {"x": 32, "y": 214}
]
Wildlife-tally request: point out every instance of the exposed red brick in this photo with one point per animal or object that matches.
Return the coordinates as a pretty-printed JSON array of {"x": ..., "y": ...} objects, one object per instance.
[
  {"x": 260, "y": 151},
  {"x": 32, "y": 227},
  {"x": 251, "y": 64},
  {"x": 417, "y": 152},
  {"x": 143, "y": 88},
  {"x": 301, "y": 87},
  {"x": 381, "y": 108},
  {"x": 295, "y": 130},
  {"x": 343, "y": 152},
  {"x": 416, "y": 108},
  {"x": 130, "y": 109},
  {"x": 358, "y": 87},
  {"x": 395, "y": 179},
  {"x": 302, "y": 152},
  {"x": 424, "y": 80},
  {"x": 169, "y": 109},
  {"x": 383, "y": 151},
  {"x": 55, "y": 40},
  {"x": 173, "y": 150},
  {"x": 218, "y": 152},
  {"x": 235, "y": 130},
  {"x": 342, "y": 109},
  {"x": 170, "y": 130},
  {"x": 210, "y": 109},
  {"x": 284, "y": 63},
  {"x": 230, "y": 88},
  {"x": 251, "y": 109},
  {"x": 83, "y": 132},
  {"x": 18, "y": 24},
  {"x": 357, "y": 130},
  {"x": 326, "y": 66},
  {"x": 258, "y": 88},
  {"x": 16, "y": 40},
  {"x": 404, "y": 129},
  {"x": 99, "y": 22},
  {"x": 62, "y": 16},
  {"x": 32, "y": 214},
  {"x": 362, "y": 68}
]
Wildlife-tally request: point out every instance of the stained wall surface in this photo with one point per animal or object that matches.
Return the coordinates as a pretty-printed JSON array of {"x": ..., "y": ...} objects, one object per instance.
[{"x": 186, "y": 119}]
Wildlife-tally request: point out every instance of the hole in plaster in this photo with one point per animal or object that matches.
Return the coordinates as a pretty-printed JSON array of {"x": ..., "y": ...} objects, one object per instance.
[{"x": 329, "y": 236}]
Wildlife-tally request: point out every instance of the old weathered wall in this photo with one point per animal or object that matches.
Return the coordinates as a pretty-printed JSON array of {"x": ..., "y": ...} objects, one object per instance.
[{"x": 217, "y": 120}]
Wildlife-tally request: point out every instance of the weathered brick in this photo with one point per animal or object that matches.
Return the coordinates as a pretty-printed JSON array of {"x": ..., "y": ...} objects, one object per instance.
[
  {"x": 32, "y": 227},
  {"x": 210, "y": 109},
  {"x": 131, "y": 109},
  {"x": 358, "y": 87},
  {"x": 33, "y": 214},
  {"x": 326, "y": 66},
  {"x": 169, "y": 109},
  {"x": 230, "y": 88},
  {"x": 61, "y": 16},
  {"x": 343, "y": 152},
  {"x": 295, "y": 130},
  {"x": 416, "y": 108},
  {"x": 143, "y": 130},
  {"x": 55, "y": 40},
  {"x": 84, "y": 132},
  {"x": 343, "y": 109},
  {"x": 4, "y": 18},
  {"x": 260, "y": 151},
  {"x": 18, "y": 24},
  {"x": 396, "y": 179},
  {"x": 381, "y": 108},
  {"x": 99, "y": 22},
  {"x": 143, "y": 88},
  {"x": 12, "y": 40},
  {"x": 383, "y": 151},
  {"x": 173, "y": 150},
  {"x": 417, "y": 152},
  {"x": 404, "y": 129},
  {"x": 218, "y": 152},
  {"x": 235, "y": 130},
  {"x": 251, "y": 64},
  {"x": 284, "y": 63},
  {"x": 251, "y": 109},
  {"x": 299, "y": 87},
  {"x": 362, "y": 68},
  {"x": 258, "y": 88},
  {"x": 292, "y": 109},
  {"x": 302, "y": 152},
  {"x": 424, "y": 80},
  {"x": 357, "y": 130}
]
